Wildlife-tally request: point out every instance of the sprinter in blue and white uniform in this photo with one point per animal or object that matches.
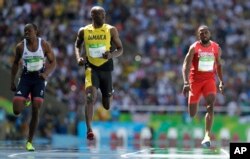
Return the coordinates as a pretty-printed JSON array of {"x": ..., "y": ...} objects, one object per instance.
[{"x": 32, "y": 52}]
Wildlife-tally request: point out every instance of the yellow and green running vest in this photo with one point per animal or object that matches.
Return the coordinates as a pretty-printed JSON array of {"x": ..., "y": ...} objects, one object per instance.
[{"x": 97, "y": 41}]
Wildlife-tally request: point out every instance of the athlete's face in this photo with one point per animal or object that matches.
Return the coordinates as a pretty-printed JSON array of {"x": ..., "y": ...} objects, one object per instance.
[
  {"x": 29, "y": 32},
  {"x": 98, "y": 15},
  {"x": 204, "y": 35}
]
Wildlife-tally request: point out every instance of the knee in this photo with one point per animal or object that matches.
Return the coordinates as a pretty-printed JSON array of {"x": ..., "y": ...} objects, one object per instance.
[
  {"x": 210, "y": 109},
  {"x": 37, "y": 103},
  {"x": 90, "y": 98},
  {"x": 18, "y": 105},
  {"x": 192, "y": 108}
]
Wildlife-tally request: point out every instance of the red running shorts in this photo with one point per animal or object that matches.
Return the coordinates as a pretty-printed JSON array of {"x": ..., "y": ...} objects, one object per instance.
[{"x": 204, "y": 88}]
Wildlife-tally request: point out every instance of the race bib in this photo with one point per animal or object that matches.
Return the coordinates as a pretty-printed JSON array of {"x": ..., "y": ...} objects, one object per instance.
[
  {"x": 34, "y": 64},
  {"x": 206, "y": 63},
  {"x": 96, "y": 51}
]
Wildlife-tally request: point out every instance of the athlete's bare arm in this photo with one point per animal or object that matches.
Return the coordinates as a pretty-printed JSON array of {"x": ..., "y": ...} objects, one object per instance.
[
  {"x": 186, "y": 69},
  {"x": 50, "y": 57},
  {"x": 219, "y": 71},
  {"x": 78, "y": 46},
  {"x": 15, "y": 64},
  {"x": 187, "y": 64},
  {"x": 117, "y": 41}
]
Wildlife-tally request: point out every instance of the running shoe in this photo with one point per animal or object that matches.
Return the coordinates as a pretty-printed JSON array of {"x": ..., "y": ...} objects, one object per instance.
[
  {"x": 90, "y": 135},
  {"x": 206, "y": 142},
  {"x": 29, "y": 146}
]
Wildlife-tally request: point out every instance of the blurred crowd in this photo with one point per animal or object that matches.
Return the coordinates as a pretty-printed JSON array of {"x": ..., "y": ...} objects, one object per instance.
[{"x": 156, "y": 36}]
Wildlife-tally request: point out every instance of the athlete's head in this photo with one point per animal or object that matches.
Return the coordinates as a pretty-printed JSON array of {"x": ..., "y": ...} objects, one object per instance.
[
  {"x": 203, "y": 34},
  {"x": 98, "y": 15},
  {"x": 30, "y": 31}
]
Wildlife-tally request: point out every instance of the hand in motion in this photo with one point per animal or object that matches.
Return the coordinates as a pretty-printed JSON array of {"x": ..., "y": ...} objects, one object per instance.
[
  {"x": 107, "y": 55},
  {"x": 80, "y": 61},
  {"x": 43, "y": 75},
  {"x": 221, "y": 87},
  {"x": 186, "y": 89}
]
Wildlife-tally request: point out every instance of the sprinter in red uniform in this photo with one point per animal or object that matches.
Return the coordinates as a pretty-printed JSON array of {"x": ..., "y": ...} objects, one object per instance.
[{"x": 201, "y": 64}]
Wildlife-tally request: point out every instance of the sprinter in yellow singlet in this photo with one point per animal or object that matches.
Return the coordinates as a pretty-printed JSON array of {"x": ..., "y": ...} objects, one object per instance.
[{"x": 97, "y": 39}]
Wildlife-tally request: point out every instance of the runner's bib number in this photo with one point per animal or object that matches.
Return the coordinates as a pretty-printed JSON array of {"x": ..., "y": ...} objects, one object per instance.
[
  {"x": 206, "y": 64},
  {"x": 34, "y": 64},
  {"x": 97, "y": 51}
]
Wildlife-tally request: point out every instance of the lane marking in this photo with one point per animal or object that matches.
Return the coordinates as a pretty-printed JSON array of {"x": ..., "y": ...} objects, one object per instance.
[
  {"x": 17, "y": 154},
  {"x": 225, "y": 152},
  {"x": 59, "y": 153},
  {"x": 25, "y": 153},
  {"x": 138, "y": 154}
]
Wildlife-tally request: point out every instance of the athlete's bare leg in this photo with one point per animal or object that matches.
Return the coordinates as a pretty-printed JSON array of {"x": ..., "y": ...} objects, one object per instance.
[
  {"x": 192, "y": 109},
  {"x": 91, "y": 96},
  {"x": 18, "y": 105},
  {"x": 36, "y": 105},
  {"x": 210, "y": 99},
  {"x": 206, "y": 142}
]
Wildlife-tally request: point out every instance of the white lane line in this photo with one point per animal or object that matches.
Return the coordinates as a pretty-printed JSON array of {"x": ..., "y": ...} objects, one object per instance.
[
  {"x": 141, "y": 151},
  {"x": 138, "y": 154},
  {"x": 196, "y": 156},
  {"x": 59, "y": 153},
  {"x": 25, "y": 153},
  {"x": 17, "y": 154},
  {"x": 225, "y": 152}
]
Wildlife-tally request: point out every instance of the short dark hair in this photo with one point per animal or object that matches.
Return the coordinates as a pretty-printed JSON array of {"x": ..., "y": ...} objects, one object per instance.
[
  {"x": 35, "y": 28},
  {"x": 202, "y": 26}
]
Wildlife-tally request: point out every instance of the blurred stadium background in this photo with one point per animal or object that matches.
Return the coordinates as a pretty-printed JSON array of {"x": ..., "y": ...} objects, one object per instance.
[{"x": 148, "y": 107}]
